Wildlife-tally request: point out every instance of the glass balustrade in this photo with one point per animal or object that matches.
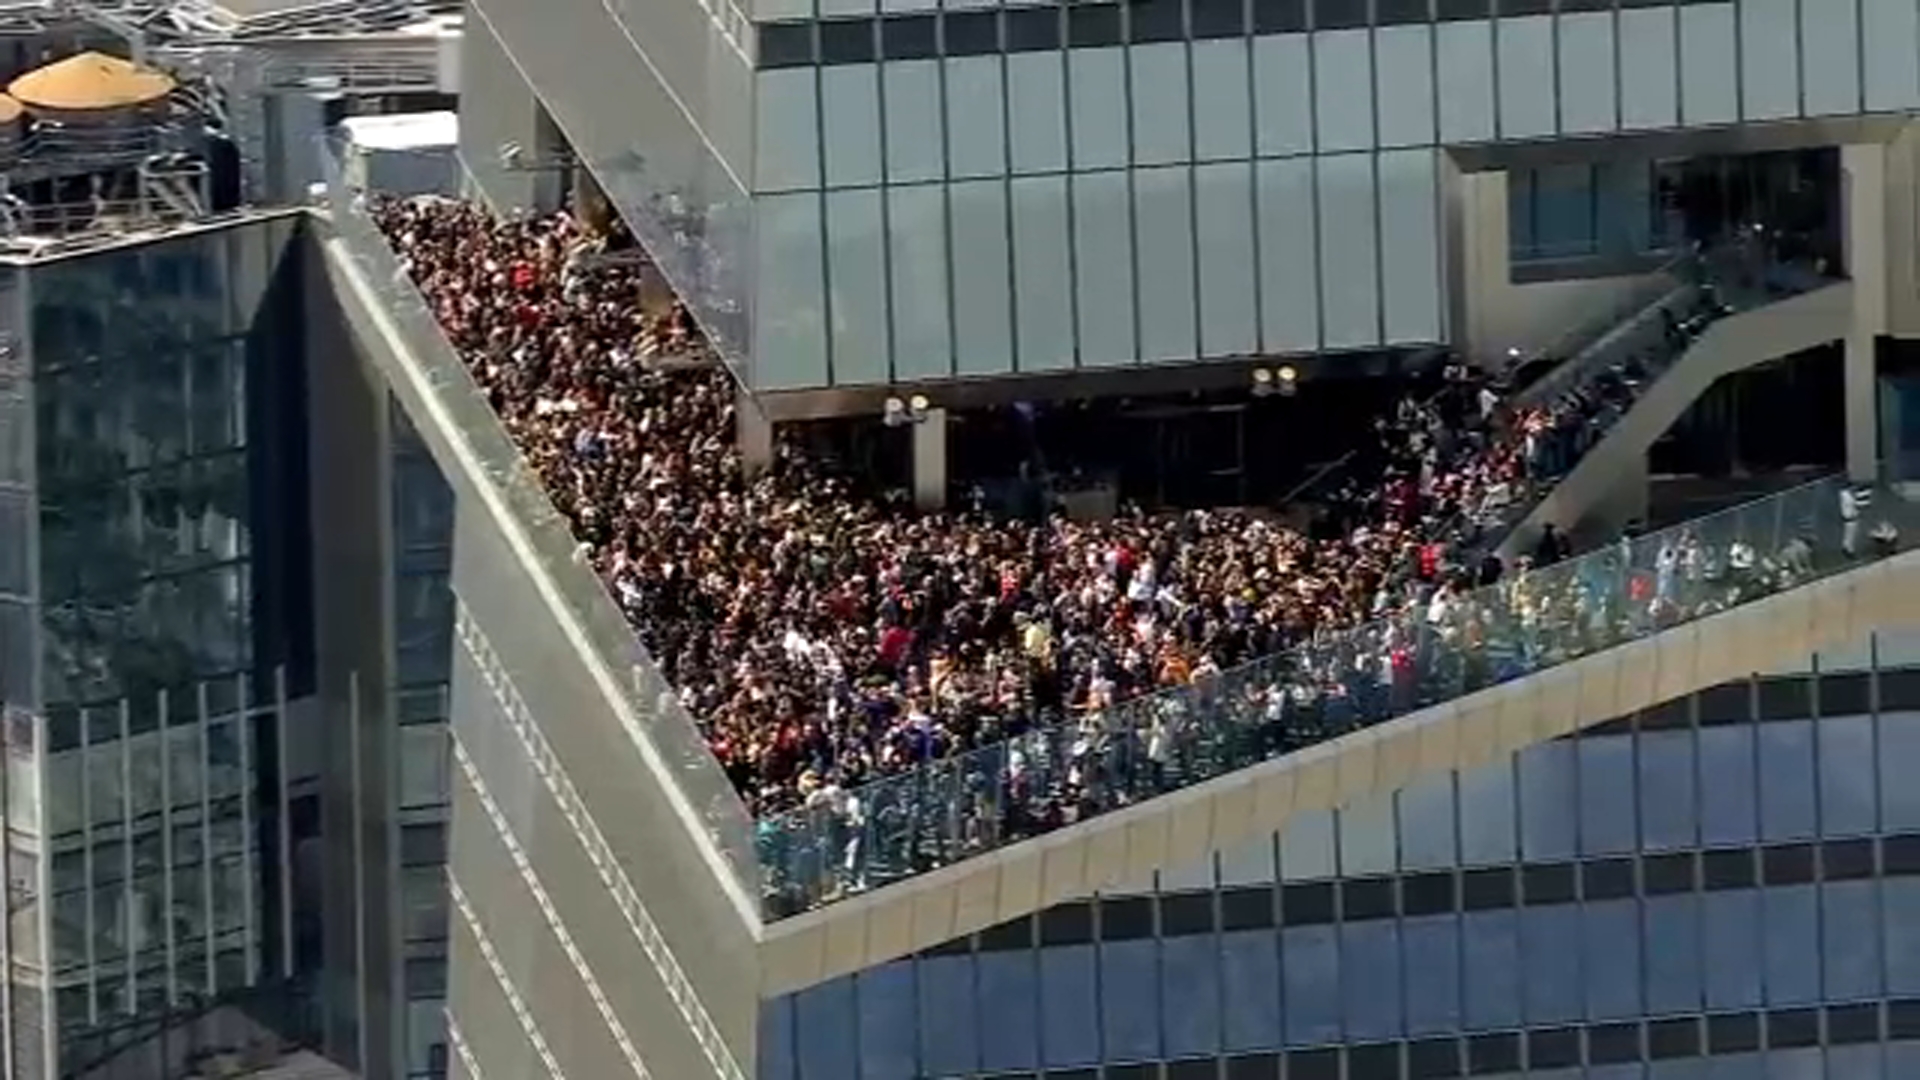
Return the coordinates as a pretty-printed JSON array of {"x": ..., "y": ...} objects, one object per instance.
[{"x": 1079, "y": 767}]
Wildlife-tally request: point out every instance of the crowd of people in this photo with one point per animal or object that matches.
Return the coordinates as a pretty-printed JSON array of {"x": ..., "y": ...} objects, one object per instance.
[{"x": 825, "y": 636}]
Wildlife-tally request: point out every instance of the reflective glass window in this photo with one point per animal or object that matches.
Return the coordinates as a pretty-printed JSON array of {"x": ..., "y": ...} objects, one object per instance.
[
  {"x": 776, "y": 1039},
  {"x": 1672, "y": 927},
  {"x": 1850, "y": 940},
  {"x": 1667, "y": 790},
  {"x": 1250, "y": 976},
  {"x": 1370, "y": 979},
  {"x": 1431, "y": 948},
  {"x": 1788, "y": 806},
  {"x": 1310, "y": 956},
  {"x": 1606, "y": 795},
  {"x": 1129, "y": 1000},
  {"x": 1731, "y": 948},
  {"x": 1550, "y": 957},
  {"x": 1007, "y": 1001},
  {"x": 1729, "y": 807},
  {"x": 825, "y": 1025},
  {"x": 885, "y": 1004},
  {"x": 1036, "y": 112},
  {"x": 947, "y": 1021},
  {"x": 1899, "y": 797},
  {"x": 1548, "y": 811},
  {"x": 1846, "y": 775},
  {"x": 1425, "y": 814},
  {"x": 1491, "y": 955},
  {"x": 1096, "y": 89},
  {"x": 1792, "y": 944},
  {"x": 1158, "y": 77},
  {"x": 1190, "y": 974},
  {"x": 1612, "y": 972},
  {"x": 1070, "y": 1025},
  {"x": 1307, "y": 848}
]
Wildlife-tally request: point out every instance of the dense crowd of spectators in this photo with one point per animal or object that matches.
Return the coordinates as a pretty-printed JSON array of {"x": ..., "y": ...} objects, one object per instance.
[{"x": 824, "y": 635}]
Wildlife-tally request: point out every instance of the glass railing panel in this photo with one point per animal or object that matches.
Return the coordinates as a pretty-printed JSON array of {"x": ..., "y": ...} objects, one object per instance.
[
  {"x": 1056, "y": 775},
  {"x": 666, "y": 723},
  {"x": 1574, "y": 351},
  {"x": 1610, "y": 379}
]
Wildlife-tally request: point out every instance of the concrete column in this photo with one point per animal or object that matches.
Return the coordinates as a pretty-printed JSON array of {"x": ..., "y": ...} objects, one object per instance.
[
  {"x": 499, "y": 108},
  {"x": 754, "y": 434},
  {"x": 930, "y": 461},
  {"x": 1863, "y": 169}
]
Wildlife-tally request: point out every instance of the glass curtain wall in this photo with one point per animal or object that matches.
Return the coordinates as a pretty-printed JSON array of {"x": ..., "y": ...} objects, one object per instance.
[{"x": 423, "y": 623}]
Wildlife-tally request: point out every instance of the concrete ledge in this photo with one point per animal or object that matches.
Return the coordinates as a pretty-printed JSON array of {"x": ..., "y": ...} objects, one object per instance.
[{"x": 1228, "y": 811}]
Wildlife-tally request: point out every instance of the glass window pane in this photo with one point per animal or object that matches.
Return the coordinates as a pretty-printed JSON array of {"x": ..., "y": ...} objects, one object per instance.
[
  {"x": 1370, "y": 979},
  {"x": 1283, "y": 95},
  {"x": 790, "y": 321},
  {"x": 982, "y": 308},
  {"x": 1729, "y": 807},
  {"x": 1007, "y": 1001},
  {"x": 1487, "y": 807},
  {"x": 1310, "y": 956},
  {"x": 1096, "y": 87},
  {"x": 1552, "y": 963},
  {"x": 1103, "y": 266},
  {"x": 886, "y": 1007},
  {"x": 1036, "y": 112},
  {"x": 1043, "y": 313},
  {"x": 1612, "y": 973},
  {"x": 1673, "y": 953},
  {"x": 787, "y": 151},
  {"x": 1788, "y": 807},
  {"x": 917, "y": 233},
  {"x": 1158, "y": 73},
  {"x": 1846, "y": 775},
  {"x": 1069, "y": 1023},
  {"x": 1491, "y": 955},
  {"x": 1792, "y": 944},
  {"x": 1250, "y": 974},
  {"x": 1850, "y": 940},
  {"x": 1129, "y": 1000},
  {"x": 1163, "y": 220},
  {"x": 1666, "y": 789},
  {"x": 850, "y": 124},
  {"x": 947, "y": 1018},
  {"x": 1343, "y": 89},
  {"x": 1367, "y": 841},
  {"x": 914, "y": 139},
  {"x": 1431, "y": 945},
  {"x": 1222, "y": 111},
  {"x": 1307, "y": 851},
  {"x": 1732, "y": 950},
  {"x": 824, "y": 1028},
  {"x": 1548, "y": 812},
  {"x": 1899, "y": 743},
  {"x": 857, "y": 281},
  {"x": 1606, "y": 795},
  {"x": 1190, "y": 974},
  {"x": 1229, "y": 307},
  {"x": 976, "y": 128}
]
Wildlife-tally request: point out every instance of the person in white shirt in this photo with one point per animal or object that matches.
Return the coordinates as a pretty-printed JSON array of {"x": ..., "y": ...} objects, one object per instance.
[{"x": 1849, "y": 521}]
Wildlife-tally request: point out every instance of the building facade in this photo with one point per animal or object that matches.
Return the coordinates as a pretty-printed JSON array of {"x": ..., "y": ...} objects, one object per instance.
[
  {"x": 228, "y": 794},
  {"x": 991, "y": 190}
]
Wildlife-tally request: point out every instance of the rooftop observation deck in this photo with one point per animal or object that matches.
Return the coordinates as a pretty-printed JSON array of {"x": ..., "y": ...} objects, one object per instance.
[{"x": 961, "y": 844}]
